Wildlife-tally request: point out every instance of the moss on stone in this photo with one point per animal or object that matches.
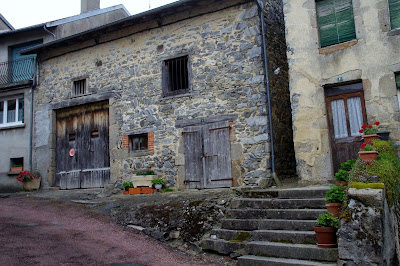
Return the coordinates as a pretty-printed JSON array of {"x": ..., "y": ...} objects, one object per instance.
[
  {"x": 240, "y": 237},
  {"x": 361, "y": 185}
]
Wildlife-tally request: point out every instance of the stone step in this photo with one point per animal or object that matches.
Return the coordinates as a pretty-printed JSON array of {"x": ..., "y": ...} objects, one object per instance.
[
  {"x": 294, "y": 193},
  {"x": 292, "y": 251},
  {"x": 291, "y": 214},
  {"x": 224, "y": 247},
  {"x": 267, "y": 235},
  {"x": 262, "y": 203},
  {"x": 268, "y": 224},
  {"x": 250, "y": 260}
]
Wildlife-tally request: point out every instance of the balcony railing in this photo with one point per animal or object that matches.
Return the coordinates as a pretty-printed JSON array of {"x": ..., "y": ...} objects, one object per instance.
[{"x": 17, "y": 70}]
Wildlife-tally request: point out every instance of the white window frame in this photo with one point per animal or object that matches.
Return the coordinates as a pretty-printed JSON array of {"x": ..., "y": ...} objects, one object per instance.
[{"x": 5, "y": 111}]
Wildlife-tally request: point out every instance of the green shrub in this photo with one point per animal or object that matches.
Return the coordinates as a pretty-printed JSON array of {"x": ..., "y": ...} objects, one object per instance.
[
  {"x": 147, "y": 172},
  {"x": 342, "y": 175},
  {"x": 157, "y": 181},
  {"x": 346, "y": 166},
  {"x": 335, "y": 194},
  {"x": 327, "y": 220}
]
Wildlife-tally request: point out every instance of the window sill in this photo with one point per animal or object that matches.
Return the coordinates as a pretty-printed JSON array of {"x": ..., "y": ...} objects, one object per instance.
[
  {"x": 12, "y": 126},
  {"x": 13, "y": 173},
  {"x": 337, "y": 47},
  {"x": 140, "y": 153},
  {"x": 180, "y": 95},
  {"x": 394, "y": 32}
]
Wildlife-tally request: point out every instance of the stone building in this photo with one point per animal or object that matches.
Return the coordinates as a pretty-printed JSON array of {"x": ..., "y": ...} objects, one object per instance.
[
  {"x": 180, "y": 89},
  {"x": 344, "y": 62},
  {"x": 17, "y": 82}
]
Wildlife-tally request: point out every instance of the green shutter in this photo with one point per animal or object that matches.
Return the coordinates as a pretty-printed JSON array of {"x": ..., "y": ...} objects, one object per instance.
[
  {"x": 394, "y": 10},
  {"x": 335, "y": 21},
  {"x": 398, "y": 80}
]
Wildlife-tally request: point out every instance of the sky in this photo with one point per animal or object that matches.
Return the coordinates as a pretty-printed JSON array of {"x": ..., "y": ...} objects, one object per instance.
[{"x": 24, "y": 13}]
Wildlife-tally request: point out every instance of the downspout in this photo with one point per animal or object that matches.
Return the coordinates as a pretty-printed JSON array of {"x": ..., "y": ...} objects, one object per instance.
[
  {"x": 271, "y": 131},
  {"x": 54, "y": 36},
  {"x": 31, "y": 118}
]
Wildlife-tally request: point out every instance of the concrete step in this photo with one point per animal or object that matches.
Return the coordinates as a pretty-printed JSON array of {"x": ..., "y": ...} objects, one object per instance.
[
  {"x": 262, "y": 203},
  {"x": 292, "y": 251},
  {"x": 293, "y": 193},
  {"x": 291, "y": 214},
  {"x": 250, "y": 260},
  {"x": 224, "y": 247},
  {"x": 268, "y": 235},
  {"x": 268, "y": 224}
]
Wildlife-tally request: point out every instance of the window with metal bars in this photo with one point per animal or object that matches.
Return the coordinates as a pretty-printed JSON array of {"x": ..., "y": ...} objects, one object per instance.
[
  {"x": 138, "y": 143},
  {"x": 176, "y": 76},
  {"x": 79, "y": 88}
]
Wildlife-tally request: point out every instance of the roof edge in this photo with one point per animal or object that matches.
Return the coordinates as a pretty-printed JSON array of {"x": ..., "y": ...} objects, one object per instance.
[{"x": 6, "y": 22}]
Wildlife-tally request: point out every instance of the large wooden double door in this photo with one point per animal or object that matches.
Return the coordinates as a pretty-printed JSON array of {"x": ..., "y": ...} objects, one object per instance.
[
  {"x": 82, "y": 156},
  {"x": 207, "y": 156}
]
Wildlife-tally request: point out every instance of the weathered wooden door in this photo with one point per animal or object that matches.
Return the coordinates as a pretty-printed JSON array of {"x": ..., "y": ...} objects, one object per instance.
[
  {"x": 208, "y": 156},
  {"x": 346, "y": 115},
  {"x": 82, "y": 156}
]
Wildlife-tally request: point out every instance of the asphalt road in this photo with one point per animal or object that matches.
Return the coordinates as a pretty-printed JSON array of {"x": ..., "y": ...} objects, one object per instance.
[{"x": 37, "y": 231}]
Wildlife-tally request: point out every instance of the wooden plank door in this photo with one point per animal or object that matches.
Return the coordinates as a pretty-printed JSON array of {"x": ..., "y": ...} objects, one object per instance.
[
  {"x": 193, "y": 146},
  {"x": 207, "y": 156},
  {"x": 346, "y": 115},
  {"x": 84, "y": 129}
]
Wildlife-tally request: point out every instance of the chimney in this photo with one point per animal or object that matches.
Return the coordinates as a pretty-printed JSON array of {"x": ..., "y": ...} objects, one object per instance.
[{"x": 89, "y": 5}]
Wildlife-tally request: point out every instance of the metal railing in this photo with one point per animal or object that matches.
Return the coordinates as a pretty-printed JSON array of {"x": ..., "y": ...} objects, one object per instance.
[{"x": 17, "y": 70}]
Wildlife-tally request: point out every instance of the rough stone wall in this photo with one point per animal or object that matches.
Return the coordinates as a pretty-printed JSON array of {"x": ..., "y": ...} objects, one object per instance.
[
  {"x": 227, "y": 78},
  {"x": 370, "y": 59},
  {"x": 368, "y": 235},
  {"x": 285, "y": 162}
]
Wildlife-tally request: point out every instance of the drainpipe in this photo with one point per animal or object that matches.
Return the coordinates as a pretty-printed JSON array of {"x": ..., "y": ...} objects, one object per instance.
[
  {"x": 54, "y": 36},
  {"x": 271, "y": 131},
  {"x": 31, "y": 118}
]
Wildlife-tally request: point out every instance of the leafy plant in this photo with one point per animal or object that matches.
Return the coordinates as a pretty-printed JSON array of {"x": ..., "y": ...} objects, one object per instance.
[
  {"x": 125, "y": 184},
  {"x": 327, "y": 220},
  {"x": 167, "y": 189},
  {"x": 157, "y": 181},
  {"x": 346, "y": 166},
  {"x": 335, "y": 194},
  {"x": 369, "y": 129},
  {"x": 367, "y": 147},
  {"x": 16, "y": 165},
  {"x": 342, "y": 175},
  {"x": 27, "y": 176},
  {"x": 147, "y": 172}
]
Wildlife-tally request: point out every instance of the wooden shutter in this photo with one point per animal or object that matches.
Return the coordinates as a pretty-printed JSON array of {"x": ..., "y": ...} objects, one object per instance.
[
  {"x": 335, "y": 21},
  {"x": 394, "y": 10},
  {"x": 218, "y": 170},
  {"x": 193, "y": 157}
]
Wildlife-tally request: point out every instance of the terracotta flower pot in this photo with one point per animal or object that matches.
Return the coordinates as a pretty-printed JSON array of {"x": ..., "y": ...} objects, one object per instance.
[
  {"x": 17, "y": 169},
  {"x": 344, "y": 183},
  {"x": 326, "y": 236},
  {"x": 368, "y": 156},
  {"x": 33, "y": 184},
  {"x": 368, "y": 138},
  {"x": 335, "y": 208},
  {"x": 146, "y": 190},
  {"x": 134, "y": 191},
  {"x": 125, "y": 192}
]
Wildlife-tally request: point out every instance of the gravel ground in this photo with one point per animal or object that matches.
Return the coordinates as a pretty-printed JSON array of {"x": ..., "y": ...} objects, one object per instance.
[{"x": 37, "y": 231}]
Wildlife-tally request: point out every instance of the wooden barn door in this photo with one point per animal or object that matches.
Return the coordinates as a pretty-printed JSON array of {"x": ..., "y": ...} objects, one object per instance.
[
  {"x": 208, "y": 156},
  {"x": 346, "y": 115},
  {"x": 85, "y": 130}
]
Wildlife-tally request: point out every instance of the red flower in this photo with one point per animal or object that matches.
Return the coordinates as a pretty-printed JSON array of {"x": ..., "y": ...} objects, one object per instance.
[
  {"x": 370, "y": 143},
  {"x": 364, "y": 126},
  {"x": 377, "y": 123},
  {"x": 370, "y": 126},
  {"x": 361, "y": 131},
  {"x": 363, "y": 145}
]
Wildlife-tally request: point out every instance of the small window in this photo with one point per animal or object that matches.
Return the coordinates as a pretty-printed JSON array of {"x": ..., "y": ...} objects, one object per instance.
[
  {"x": 175, "y": 76},
  {"x": 335, "y": 21},
  {"x": 16, "y": 164},
  {"x": 394, "y": 12},
  {"x": 79, "y": 88},
  {"x": 12, "y": 111},
  {"x": 138, "y": 143}
]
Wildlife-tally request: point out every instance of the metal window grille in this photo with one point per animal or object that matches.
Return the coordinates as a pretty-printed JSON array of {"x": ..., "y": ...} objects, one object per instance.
[
  {"x": 178, "y": 74},
  {"x": 79, "y": 87},
  {"x": 138, "y": 142}
]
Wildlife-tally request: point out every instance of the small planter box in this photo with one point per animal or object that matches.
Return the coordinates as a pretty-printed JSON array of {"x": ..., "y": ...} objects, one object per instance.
[
  {"x": 34, "y": 184},
  {"x": 146, "y": 190},
  {"x": 17, "y": 169},
  {"x": 134, "y": 191}
]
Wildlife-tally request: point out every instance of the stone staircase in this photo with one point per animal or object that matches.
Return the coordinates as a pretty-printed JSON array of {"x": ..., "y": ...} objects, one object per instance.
[{"x": 273, "y": 227}]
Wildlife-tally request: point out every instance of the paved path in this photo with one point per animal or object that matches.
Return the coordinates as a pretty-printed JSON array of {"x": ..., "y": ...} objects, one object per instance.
[{"x": 46, "y": 232}]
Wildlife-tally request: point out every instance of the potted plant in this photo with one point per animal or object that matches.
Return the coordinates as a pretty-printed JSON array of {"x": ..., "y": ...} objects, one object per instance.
[
  {"x": 342, "y": 177},
  {"x": 125, "y": 187},
  {"x": 16, "y": 168},
  {"x": 147, "y": 172},
  {"x": 158, "y": 183},
  {"x": 30, "y": 180},
  {"x": 325, "y": 230},
  {"x": 132, "y": 189},
  {"x": 334, "y": 198},
  {"x": 368, "y": 153},
  {"x": 370, "y": 131}
]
